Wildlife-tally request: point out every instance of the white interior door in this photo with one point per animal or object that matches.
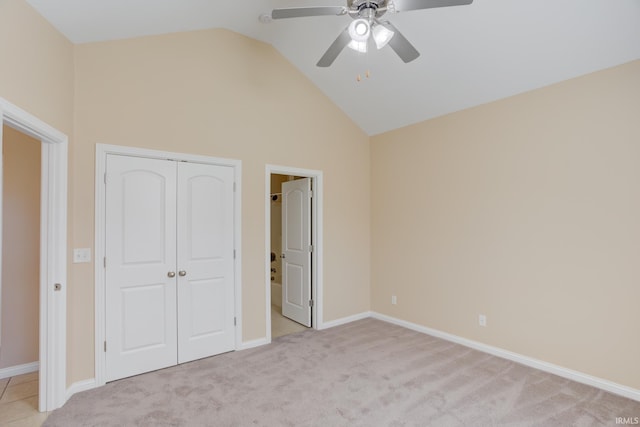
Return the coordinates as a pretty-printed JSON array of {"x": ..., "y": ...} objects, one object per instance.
[
  {"x": 296, "y": 250},
  {"x": 140, "y": 265},
  {"x": 205, "y": 261}
]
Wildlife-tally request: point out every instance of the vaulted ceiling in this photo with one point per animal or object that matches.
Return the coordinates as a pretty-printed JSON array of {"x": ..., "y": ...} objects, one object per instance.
[{"x": 470, "y": 55}]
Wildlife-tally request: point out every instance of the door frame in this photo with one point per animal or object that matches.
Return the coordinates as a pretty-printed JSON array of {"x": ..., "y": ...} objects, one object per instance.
[
  {"x": 53, "y": 251},
  {"x": 102, "y": 150},
  {"x": 316, "y": 238}
]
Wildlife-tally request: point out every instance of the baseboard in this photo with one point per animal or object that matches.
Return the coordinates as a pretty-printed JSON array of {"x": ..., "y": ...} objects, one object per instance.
[
  {"x": 345, "y": 320},
  {"x": 246, "y": 345},
  {"x": 79, "y": 386},
  {"x": 560, "y": 371},
  {"x": 12, "y": 371}
]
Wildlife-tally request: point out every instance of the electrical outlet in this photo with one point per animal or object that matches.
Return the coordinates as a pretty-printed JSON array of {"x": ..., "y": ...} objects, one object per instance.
[
  {"x": 394, "y": 300},
  {"x": 482, "y": 320}
]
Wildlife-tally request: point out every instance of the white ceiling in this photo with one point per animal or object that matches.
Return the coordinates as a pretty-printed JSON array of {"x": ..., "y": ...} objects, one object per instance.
[{"x": 470, "y": 55}]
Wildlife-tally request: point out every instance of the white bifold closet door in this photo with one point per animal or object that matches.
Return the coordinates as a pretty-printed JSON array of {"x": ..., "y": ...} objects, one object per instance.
[{"x": 169, "y": 263}]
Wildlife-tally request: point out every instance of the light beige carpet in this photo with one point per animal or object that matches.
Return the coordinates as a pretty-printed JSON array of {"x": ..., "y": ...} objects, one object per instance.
[{"x": 367, "y": 373}]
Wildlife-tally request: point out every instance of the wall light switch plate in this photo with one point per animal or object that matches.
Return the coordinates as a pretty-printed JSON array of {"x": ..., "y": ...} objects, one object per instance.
[{"x": 81, "y": 255}]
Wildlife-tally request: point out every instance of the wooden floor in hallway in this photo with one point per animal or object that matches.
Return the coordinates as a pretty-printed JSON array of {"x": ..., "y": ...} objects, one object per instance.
[
  {"x": 281, "y": 325},
  {"x": 19, "y": 401}
]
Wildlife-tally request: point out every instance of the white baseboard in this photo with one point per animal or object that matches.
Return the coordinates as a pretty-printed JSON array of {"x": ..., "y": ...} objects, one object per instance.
[
  {"x": 12, "y": 371},
  {"x": 246, "y": 345},
  {"x": 580, "y": 377},
  {"x": 79, "y": 386},
  {"x": 345, "y": 320}
]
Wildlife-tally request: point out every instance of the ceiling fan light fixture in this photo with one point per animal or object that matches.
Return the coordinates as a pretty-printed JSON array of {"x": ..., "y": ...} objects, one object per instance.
[
  {"x": 382, "y": 35},
  {"x": 359, "y": 30},
  {"x": 358, "y": 46}
]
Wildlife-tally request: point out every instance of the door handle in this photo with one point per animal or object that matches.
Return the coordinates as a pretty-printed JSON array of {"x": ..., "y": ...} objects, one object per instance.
[
  {"x": 282, "y": 256},
  {"x": 171, "y": 274},
  {"x": 182, "y": 273}
]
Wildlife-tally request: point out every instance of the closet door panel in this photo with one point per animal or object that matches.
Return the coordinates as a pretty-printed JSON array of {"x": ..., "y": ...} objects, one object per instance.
[
  {"x": 140, "y": 258},
  {"x": 205, "y": 261}
]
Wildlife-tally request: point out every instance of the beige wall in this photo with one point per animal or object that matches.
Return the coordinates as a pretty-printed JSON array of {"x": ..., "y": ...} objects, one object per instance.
[
  {"x": 20, "y": 248},
  {"x": 36, "y": 65},
  {"x": 526, "y": 210},
  {"x": 221, "y": 94}
]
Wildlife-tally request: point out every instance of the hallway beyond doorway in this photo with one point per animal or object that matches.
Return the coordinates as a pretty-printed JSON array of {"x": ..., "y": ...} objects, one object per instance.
[
  {"x": 19, "y": 401},
  {"x": 280, "y": 325}
]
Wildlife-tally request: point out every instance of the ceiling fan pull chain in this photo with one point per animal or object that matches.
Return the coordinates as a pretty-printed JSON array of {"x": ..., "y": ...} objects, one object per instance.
[{"x": 359, "y": 76}]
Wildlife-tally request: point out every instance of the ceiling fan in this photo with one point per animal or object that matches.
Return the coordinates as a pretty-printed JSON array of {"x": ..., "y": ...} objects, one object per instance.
[{"x": 367, "y": 24}]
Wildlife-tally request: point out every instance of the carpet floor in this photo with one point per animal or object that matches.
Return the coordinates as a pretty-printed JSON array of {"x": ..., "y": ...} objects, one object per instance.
[{"x": 366, "y": 373}]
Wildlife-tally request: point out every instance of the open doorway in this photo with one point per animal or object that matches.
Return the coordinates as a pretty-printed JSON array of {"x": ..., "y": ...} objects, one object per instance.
[
  {"x": 293, "y": 250},
  {"x": 19, "y": 311},
  {"x": 50, "y": 256},
  {"x": 282, "y": 321}
]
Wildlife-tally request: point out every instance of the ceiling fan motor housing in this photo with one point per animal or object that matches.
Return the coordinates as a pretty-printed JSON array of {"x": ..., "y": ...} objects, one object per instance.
[{"x": 367, "y": 8}]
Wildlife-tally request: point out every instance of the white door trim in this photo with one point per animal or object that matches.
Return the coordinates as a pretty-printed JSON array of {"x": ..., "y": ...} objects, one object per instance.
[
  {"x": 100, "y": 220},
  {"x": 316, "y": 237},
  {"x": 53, "y": 250}
]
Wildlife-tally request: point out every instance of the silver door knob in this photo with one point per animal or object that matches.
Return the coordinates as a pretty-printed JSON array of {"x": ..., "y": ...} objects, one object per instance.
[
  {"x": 171, "y": 274},
  {"x": 182, "y": 273}
]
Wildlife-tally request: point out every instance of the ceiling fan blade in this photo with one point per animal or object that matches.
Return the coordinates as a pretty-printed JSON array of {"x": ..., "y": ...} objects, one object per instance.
[
  {"x": 405, "y": 5},
  {"x": 334, "y": 50},
  {"x": 400, "y": 44},
  {"x": 299, "y": 12}
]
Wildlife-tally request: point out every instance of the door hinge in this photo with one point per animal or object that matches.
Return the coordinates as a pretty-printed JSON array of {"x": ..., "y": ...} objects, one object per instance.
[
  {"x": 310, "y": 248},
  {"x": 105, "y": 346},
  {"x": 310, "y": 194},
  {"x": 104, "y": 262},
  {"x": 234, "y": 254},
  {"x": 310, "y": 303},
  {"x": 234, "y": 321},
  {"x": 234, "y": 187},
  {"x": 105, "y": 177}
]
